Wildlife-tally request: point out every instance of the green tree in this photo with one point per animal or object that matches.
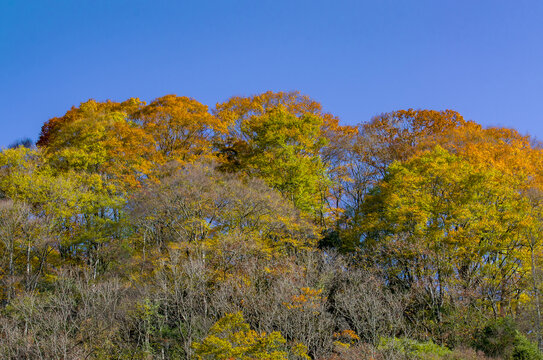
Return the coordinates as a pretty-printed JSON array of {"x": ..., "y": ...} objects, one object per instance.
[
  {"x": 284, "y": 151},
  {"x": 284, "y": 139}
]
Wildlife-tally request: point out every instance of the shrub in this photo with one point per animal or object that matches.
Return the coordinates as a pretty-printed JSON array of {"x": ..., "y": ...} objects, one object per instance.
[
  {"x": 466, "y": 354},
  {"x": 500, "y": 338},
  {"x": 413, "y": 349},
  {"x": 232, "y": 338},
  {"x": 524, "y": 349}
]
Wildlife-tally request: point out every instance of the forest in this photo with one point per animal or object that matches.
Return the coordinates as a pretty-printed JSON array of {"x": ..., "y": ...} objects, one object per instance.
[{"x": 263, "y": 228}]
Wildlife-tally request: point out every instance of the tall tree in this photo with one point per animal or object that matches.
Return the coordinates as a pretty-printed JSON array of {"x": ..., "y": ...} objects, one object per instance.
[
  {"x": 99, "y": 138},
  {"x": 81, "y": 210},
  {"x": 198, "y": 204},
  {"x": 400, "y": 134},
  {"x": 182, "y": 128},
  {"x": 279, "y": 137},
  {"x": 441, "y": 223}
]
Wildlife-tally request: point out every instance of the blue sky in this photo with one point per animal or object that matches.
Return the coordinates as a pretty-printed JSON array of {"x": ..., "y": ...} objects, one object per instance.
[{"x": 483, "y": 58}]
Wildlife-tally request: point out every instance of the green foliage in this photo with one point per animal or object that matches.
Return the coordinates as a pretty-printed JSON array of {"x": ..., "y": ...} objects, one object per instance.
[
  {"x": 497, "y": 338},
  {"x": 284, "y": 152},
  {"x": 500, "y": 338},
  {"x": 413, "y": 349},
  {"x": 524, "y": 349}
]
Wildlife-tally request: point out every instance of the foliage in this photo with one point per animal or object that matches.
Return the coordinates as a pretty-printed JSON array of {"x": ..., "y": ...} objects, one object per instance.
[
  {"x": 99, "y": 138},
  {"x": 231, "y": 337},
  {"x": 201, "y": 204},
  {"x": 283, "y": 150},
  {"x": 413, "y": 349},
  {"x": 182, "y": 128},
  {"x": 420, "y": 223},
  {"x": 279, "y": 137},
  {"x": 132, "y": 229},
  {"x": 501, "y": 338}
]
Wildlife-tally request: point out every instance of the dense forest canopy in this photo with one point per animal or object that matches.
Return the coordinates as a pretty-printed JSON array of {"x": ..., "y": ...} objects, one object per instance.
[{"x": 265, "y": 229}]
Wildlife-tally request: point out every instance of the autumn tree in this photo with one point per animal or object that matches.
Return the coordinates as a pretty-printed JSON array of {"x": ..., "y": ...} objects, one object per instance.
[
  {"x": 51, "y": 127},
  {"x": 78, "y": 209},
  {"x": 99, "y": 138},
  {"x": 359, "y": 157},
  {"x": 533, "y": 251},
  {"x": 284, "y": 152},
  {"x": 501, "y": 148},
  {"x": 13, "y": 227},
  {"x": 166, "y": 230},
  {"x": 182, "y": 128},
  {"x": 441, "y": 223},
  {"x": 278, "y": 137},
  {"x": 398, "y": 135},
  {"x": 200, "y": 204},
  {"x": 231, "y": 337}
]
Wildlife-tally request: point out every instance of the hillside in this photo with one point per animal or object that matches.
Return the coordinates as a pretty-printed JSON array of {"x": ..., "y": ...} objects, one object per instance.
[{"x": 263, "y": 228}]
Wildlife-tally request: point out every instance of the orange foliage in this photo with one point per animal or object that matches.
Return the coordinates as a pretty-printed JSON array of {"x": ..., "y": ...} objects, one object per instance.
[
  {"x": 182, "y": 127},
  {"x": 51, "y": 127},
  {"x": 400, "y": 134}
]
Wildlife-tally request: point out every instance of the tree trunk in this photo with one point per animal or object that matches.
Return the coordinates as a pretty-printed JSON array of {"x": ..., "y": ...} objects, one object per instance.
[{"x": 537, "y": 299}]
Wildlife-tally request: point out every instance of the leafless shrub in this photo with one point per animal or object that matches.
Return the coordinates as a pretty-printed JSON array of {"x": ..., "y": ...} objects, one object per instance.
[
  {"x": 361, "y": 300},
  {"x": 79, "y": 319}
]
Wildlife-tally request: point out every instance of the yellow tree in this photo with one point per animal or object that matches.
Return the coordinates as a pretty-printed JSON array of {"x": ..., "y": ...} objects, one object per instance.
[
  {"x": 366, "y": 151},
  {"x": 54, "y": 211},
  {"x": 519, "y": 157},
  {"x": 99, "y": 138},
  {"x": 533, "y": 256},
  {"x": 53, "y": 125},
  {"x": 439, "y": 222}
]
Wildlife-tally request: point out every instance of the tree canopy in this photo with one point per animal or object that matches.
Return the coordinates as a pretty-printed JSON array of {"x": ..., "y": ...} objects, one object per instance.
[{"x": 264, "y": 228}]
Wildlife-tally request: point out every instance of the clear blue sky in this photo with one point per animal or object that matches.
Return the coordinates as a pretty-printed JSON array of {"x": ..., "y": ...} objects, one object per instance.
[{"x": 483, "y": 58}]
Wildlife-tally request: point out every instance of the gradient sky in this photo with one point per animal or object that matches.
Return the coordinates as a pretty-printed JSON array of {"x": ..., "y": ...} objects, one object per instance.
[{"x": 482, "y": 58}]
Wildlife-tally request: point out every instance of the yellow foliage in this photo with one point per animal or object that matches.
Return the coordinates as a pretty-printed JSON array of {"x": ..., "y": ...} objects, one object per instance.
[{"x": 232, "y": 338}]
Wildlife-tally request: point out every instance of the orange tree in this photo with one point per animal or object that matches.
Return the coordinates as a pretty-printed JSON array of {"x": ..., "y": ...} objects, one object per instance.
[{"x": 182, "y": 128}]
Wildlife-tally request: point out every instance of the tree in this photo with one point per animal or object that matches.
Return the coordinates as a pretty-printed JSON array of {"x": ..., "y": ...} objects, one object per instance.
[
  {"x": 51, "y": 127},
  {"x": 99, "y": 138},
  {"x": 279, "y": 137},
  {"x": 182, "y": 128},
  {"x": 532, "y": 259},
  {"x": 284, "y": 151},
  {"x": 441, "y": 223},
  {"x": 81, "y": 210},
  {"x": 361, "y": 155},
  {"x": 398, "y": 135},
  {"x": 238, "y": 108},
  {"x": 200, "y": 204}
]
